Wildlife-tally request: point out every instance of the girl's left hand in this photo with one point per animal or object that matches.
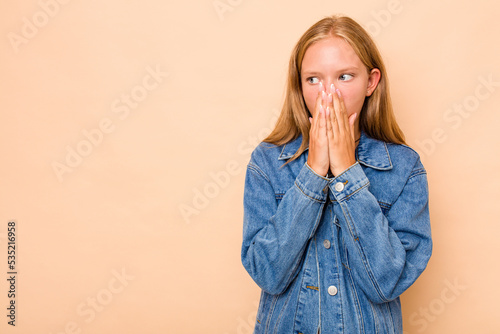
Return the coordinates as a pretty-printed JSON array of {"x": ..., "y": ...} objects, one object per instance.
[{"x": 340, "y": 132}]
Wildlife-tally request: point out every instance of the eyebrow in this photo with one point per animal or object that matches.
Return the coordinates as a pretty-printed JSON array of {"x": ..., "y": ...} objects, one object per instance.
[{"x": 346, "y": 69}]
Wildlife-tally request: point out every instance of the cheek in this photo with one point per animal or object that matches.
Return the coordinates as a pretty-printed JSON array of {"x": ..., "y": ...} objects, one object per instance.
[
  {"x": 310, "y": 99},
  {"x": 353, "y": 100}
]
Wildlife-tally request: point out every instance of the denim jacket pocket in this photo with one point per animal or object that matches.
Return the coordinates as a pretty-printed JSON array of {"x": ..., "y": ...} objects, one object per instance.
[
  {"x": 306, "y": 318},
  {"x": 383, "y": 318},
  {"x": 385, "y": 207},
  {"x": 351, "y": 287},
  {"x": 279, "y": 197},
  {"x": 265, "y": 312}
]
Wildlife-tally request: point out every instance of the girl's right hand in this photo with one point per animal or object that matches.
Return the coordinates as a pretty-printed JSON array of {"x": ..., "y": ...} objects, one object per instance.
[{"x": 318, "y": 158}]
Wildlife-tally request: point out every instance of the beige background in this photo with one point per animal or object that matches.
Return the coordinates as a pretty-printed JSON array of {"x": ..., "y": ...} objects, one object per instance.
[{"x": 142, "y": 232}]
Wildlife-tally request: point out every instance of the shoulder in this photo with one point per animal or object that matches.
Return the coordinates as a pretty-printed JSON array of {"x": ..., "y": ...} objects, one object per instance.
[
  {"x": 403, "y": 156},
  {"x": 390, "y": 168},
  {"x": 264, "y": 152},
  {"x": 274, "y": 155},
  {"x": 264, "y": 159},
  {"x": 401, "y": 160}
]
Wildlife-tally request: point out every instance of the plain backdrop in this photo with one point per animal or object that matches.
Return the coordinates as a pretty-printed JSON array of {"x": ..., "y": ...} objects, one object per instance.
[{"x": 125, "y": 131}]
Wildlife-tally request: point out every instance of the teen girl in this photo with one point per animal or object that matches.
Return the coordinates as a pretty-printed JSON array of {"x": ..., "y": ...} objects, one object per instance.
[{"x": 336, "y": 218}]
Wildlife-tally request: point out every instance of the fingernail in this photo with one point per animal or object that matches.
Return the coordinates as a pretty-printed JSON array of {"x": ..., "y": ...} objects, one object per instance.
[
  {"x": 323, "y": 95},
  {"x": 330, "y": 97},
  {"x": 321, "y": 86},
  {"x": 332, "y": 88},
  {"x": 327, "y": 111},
  {"x": 338, "y": 92}
]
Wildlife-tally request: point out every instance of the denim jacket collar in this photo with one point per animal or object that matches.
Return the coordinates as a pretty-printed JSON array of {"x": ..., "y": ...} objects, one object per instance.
[{"x": 370, "y": 152}]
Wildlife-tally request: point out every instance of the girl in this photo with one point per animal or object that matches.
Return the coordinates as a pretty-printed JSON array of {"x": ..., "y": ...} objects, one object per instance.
[{"x": 336, "y": 217}]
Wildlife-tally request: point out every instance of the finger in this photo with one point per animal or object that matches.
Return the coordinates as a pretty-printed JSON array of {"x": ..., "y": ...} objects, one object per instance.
[
  {"x": 330, "y": 116},
  {"x": 330, "y": 105},
  {"x": 330, "y": 96},
  {"x": 315, "y": 123},
  {"x": 343, "y": 110},
  {"x": 352, "y": 120},
  {"x": 329, "y": 121},
  {"x": 318, "y": 103},
  {"x": 337, "y": 125},
  {"x": 322, "y": 119},
  {"x": 321, "y": 100}
]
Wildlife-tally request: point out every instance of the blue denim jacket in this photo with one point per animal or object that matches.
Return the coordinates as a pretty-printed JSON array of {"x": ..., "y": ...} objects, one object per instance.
[{"x": 333, "y": 255}]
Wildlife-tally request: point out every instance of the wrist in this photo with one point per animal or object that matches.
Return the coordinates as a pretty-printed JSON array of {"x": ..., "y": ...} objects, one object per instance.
[
  {"x": 323, "y": 172},
  {"x": 337, "y": 170}
]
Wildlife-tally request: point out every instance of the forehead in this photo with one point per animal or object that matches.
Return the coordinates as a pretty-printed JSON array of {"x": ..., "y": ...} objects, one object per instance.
[{"x": 330, "y": 52}]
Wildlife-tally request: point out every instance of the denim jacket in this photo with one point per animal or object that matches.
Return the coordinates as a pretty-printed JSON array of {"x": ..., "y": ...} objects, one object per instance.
[{"x": 333, "y": 255}]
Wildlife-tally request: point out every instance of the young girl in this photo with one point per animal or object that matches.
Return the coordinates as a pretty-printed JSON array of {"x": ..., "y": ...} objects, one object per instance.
[{"x": 336, "y": 217}]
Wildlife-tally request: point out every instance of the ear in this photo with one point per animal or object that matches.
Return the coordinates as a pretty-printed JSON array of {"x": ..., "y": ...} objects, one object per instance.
[{"x": 373, "y": 80}]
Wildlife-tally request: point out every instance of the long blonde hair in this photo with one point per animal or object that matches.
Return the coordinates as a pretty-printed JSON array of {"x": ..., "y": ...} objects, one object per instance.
[{"x": 376, "y": 118}]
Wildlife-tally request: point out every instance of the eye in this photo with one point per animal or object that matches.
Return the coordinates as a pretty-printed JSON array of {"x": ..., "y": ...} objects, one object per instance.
[
  {"x": 346, "y": 77},
  {"x": 313, "y": 80}
]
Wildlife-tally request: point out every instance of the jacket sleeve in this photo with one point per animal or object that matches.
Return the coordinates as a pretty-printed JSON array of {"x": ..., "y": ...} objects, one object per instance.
[
  {"x": 386, "y": 253},
  {"x": 275, "y": 236}
]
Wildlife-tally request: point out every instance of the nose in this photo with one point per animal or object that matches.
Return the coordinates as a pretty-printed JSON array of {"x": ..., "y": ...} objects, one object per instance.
[{"x": 327, "y": 84}]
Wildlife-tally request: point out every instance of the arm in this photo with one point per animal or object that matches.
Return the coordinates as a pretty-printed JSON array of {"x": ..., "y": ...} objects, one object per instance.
[
  {"x": 275, "y": 236},
  {"x": 386, "y": 254}
]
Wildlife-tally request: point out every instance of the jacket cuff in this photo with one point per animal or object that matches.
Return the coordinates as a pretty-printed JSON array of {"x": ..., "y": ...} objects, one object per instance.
[
  {"x": 312, "y": 184},
  {"x": 348, "y": 182}
]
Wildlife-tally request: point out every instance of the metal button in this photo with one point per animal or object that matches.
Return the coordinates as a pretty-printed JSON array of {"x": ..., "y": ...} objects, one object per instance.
[
  {"x": 339, "y": 186},
  {"x": 332, "y": 290},
  {"x": 326, "y": 243}
]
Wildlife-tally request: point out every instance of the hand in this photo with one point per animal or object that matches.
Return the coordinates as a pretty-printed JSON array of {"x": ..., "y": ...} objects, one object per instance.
[
  {"x": 318, "y": 158},
  {"x": 340, "y": 133}
]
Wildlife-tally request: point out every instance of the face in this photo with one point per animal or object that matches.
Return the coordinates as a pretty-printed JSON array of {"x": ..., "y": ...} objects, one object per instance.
[{"x": 333, "y": 60}]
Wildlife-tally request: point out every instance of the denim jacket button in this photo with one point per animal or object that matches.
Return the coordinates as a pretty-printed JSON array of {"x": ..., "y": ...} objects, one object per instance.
[
  {"x": 332, "y": 290},
  {"x": 339, "y": 186},
  {"x": 326, "y": 243}
]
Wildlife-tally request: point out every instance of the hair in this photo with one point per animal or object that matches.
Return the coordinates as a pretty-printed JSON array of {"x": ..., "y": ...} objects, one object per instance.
[{"x": 376, "y": 118}]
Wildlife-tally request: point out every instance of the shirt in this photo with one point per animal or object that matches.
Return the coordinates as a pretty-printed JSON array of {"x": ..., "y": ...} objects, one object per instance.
[{"x": 333, "y": 255}]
